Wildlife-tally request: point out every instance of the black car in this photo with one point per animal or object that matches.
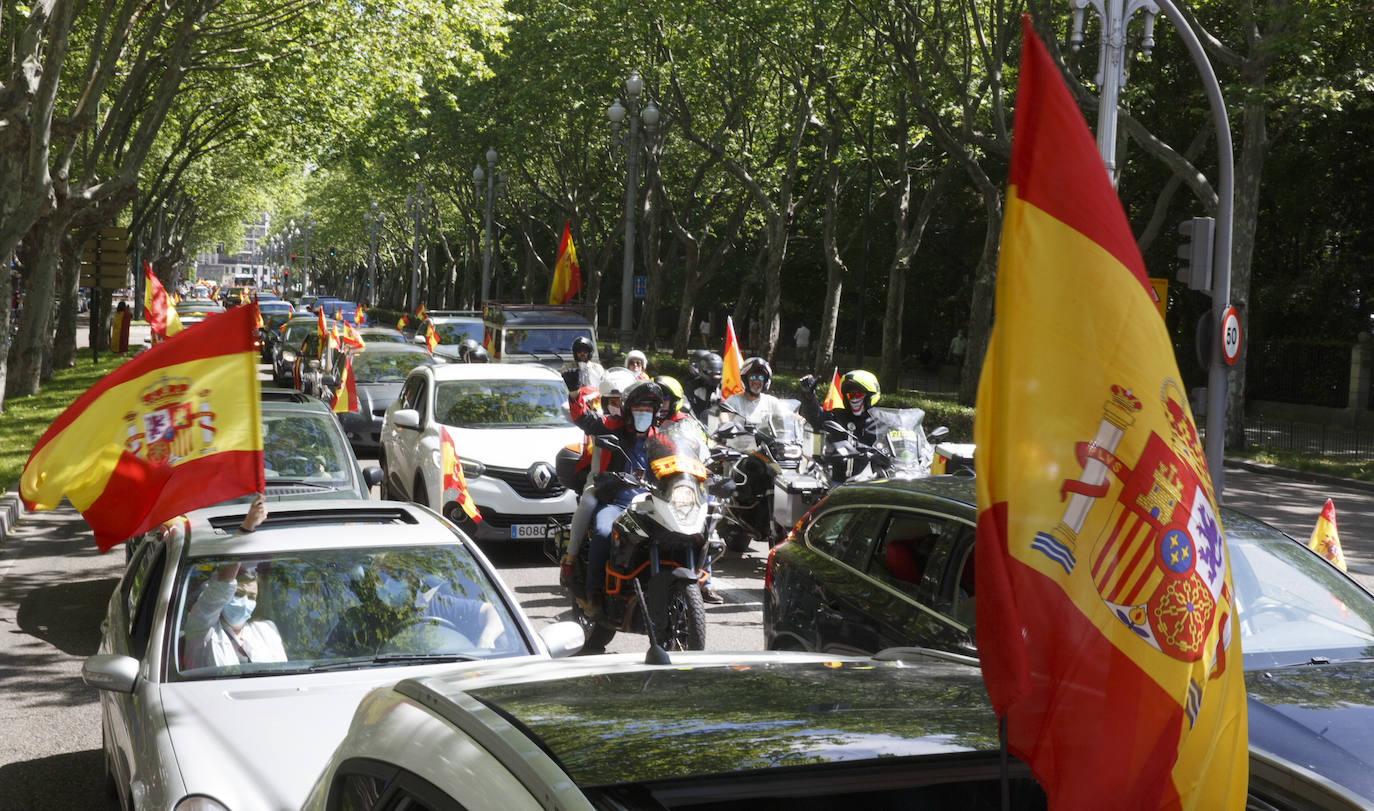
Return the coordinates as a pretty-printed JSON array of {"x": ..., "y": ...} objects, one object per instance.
[
  {"x": 890, "y": 563},
  {"x": 379, "y": 371}
]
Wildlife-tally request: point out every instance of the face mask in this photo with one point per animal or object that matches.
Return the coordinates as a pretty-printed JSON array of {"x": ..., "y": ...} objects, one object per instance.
[
  {"x": 612, "y": 409},
  {"x": 237, "y": 611},
  {"x": 857, "y": 405},
  {"x": 643, "y": 419}
]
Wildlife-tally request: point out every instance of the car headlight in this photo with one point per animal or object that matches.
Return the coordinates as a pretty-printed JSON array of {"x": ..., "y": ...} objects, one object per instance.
[
  {"x": 791, "y": 452},
  {"x": 473, "y": 468},
  {"x": 199, "y": 803},
  {"x": 684, "y": 501},
  {"x": 288, "y": 356}
]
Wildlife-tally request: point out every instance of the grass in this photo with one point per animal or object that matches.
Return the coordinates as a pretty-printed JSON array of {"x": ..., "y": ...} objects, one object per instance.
[
  {"x": 1312, "y": 463},
  {"x": 24, "y": 419}
]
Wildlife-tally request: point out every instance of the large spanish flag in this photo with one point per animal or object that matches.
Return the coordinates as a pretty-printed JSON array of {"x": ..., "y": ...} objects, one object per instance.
[
  {"x": 175, "y": 428},
  {"x": 567, "y": 275},
  {"x": 730, "y": 382},
  {"x": 1105, "y": 614},
  {"x": 158, "y": 307}
]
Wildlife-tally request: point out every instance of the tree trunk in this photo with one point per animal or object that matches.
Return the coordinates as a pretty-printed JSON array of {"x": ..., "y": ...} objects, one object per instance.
[
  {"x": 34, "y": 337},
  {"x": 1249, "y": 172},
  {"x": 980, "y": 309},
  {"x": 6, "y": 301},
  {"x": 64, "y": 343}
]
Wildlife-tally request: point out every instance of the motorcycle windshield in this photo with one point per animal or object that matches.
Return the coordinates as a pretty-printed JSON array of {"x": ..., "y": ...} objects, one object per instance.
[
  {"x": 785, "y": 425},
  {"x": 900, "y": 434},
  {"x": 677, "y": 447}
]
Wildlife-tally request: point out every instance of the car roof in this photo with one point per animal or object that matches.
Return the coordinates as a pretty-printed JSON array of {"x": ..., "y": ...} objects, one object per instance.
[
  {"x": 446, "y": 318},
  {"x": 274, "y": 400},
  {"x": 296, "y": 525},
  {"x": 494, "y": 371},
  {"x": 380, "y": 348},
  {"x": 535, "y": 315}
]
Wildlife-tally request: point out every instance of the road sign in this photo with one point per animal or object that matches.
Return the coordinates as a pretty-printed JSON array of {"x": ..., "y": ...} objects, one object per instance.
[
  {"x": 1230, "y": 335},
  {"x": 105, "y": 259},
  {"x": 641, "y": 288}
]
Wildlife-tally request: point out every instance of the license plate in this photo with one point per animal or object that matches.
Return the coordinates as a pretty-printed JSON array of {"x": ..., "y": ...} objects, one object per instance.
[{"x": 522, "y": 531}]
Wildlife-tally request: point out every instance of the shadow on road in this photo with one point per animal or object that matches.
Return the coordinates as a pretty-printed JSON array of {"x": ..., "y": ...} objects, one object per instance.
[
  {"x": 68, "y": 615},
  {"x": 65, "y": 781}
]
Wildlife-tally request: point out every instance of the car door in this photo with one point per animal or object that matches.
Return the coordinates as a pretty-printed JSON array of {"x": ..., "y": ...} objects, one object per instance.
[
  {"x": 843, "y": 621},
  {"x": 130, "y": 719},
  {"x": 402, "y": 445},
  {"x": 918, "y": 562}
]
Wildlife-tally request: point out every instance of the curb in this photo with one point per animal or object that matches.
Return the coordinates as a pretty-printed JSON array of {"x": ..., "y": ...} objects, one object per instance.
[
  {"x": 1296, "y": 475},
  {"x": 11, "y": 510}
]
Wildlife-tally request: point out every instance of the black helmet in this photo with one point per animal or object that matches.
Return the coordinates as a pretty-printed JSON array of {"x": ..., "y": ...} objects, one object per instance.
[
  {"x": 756, "y": 365},
  {"x": 707, "y": 364},
  {"x": 672, "y": 392},
  {"x": 465, "y": 346},
  {"x": 583, "y": 344},
  {"x": 862, "y": 382},
  {"x": 478, "y": 355},
  {"x": 642, "y": 393}
]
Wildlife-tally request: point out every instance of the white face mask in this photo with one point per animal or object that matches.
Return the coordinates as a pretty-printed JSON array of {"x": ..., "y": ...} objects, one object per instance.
[
  {"x": 643, "y": 419},
  {"x": 856, "y": 407},
  {"x": 237, "y": 611},
  {"x": 613, "y": 408}
]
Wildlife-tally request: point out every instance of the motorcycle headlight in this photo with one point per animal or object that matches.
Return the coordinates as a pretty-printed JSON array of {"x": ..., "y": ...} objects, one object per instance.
[
  {"x": 791, "y": 452},
  {"x": 684, "y": 501}
]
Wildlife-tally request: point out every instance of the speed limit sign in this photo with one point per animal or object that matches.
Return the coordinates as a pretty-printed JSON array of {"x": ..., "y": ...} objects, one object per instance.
[{"x": 1230, "y": 336}]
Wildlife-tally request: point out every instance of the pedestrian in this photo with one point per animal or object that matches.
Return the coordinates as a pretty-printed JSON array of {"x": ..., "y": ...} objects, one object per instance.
[
  {"x": 705, "y": 330},
  {"x": 803, "y": 339},
  {"x": 956, "y": 349},
  {"x": 119, "y": 328}
]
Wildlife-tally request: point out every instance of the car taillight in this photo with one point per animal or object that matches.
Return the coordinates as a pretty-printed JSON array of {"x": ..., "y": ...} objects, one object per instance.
[{"x": 768, "y": 568}]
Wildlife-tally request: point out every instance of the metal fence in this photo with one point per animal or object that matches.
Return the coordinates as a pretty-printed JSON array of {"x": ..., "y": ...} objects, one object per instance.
[{"x": 1306, "y": 437}]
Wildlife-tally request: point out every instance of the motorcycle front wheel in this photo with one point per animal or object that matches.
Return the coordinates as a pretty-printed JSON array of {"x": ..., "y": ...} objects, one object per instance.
[{"x": 685, "y": 626}]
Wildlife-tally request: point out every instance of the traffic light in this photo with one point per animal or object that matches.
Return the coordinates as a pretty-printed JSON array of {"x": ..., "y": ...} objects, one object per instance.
[
  {"x": 293, "y": 257},
  {"x": 1195, "y": 253},
  {"x": 285, "y": 274},
  {"x": 331, "y": 251}
]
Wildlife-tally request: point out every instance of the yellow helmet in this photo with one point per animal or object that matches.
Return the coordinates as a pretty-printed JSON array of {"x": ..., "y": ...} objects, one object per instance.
[{"x": 863, "y": 381}]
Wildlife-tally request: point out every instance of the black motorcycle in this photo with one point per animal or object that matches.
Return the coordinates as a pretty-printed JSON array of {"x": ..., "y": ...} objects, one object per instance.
[{"x": 754, "y": 458}]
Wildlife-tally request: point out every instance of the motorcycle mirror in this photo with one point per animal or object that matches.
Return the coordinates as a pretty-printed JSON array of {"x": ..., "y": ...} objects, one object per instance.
[
  {"x": 608, "y": 441},
  {"x": 831, "y": 425},
  {"x": 938, "y": 432}
]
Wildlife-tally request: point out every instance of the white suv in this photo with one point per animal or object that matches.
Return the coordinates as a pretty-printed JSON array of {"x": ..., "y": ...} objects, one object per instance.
[{"x": 507, "y": 422}]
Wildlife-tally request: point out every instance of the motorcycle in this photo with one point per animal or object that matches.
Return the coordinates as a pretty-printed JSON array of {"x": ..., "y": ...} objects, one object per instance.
[
  {"x": 660, "y": 547},
  {"x": 901, "y": 449},
  {"x": 755, "y": 458}
]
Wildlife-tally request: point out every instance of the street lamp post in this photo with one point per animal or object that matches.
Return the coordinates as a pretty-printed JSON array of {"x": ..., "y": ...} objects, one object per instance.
[
  {"x": 478, "y": 176},
  {"x": 650, "y": 116},
  {"x": 1114, "y": 15},
  {"x": 417, "y": 201},
  {"x": 305, "y": 275},
  {"x": 372, "y": 220}
]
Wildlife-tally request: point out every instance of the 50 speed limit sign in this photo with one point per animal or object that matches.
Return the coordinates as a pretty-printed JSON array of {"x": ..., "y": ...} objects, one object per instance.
[{"x": 1230, "y": 335}]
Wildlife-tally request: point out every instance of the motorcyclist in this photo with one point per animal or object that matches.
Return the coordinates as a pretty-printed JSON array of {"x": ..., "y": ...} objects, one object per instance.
[
  {"x": 754, "y": 405},
  {"x": 478, "y": 355},
  {"x": 859, "y": 392},
  {"x": 704, "y": 386},
  {"x": 637, "y": 362},
  {"x": 636, "y": 424},
  {"x": 612, "y": 387},
  {"x": 584, "y": 370},
  {"x": 464, "y": 347},
  {"x": 675, "y": 410}
]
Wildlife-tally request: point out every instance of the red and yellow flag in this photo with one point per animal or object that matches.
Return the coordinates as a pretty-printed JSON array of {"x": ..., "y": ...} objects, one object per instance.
[
  {"x": 359, "y": 315},
  {"x": 833, "y": 400},
  {"x": 350, "y": 339},
  {"x": 421, "y": 313},
  {"x": 257, "y": 313},
  {"x": 1105, "y": 613},
  {"x": 176, "y": 428},
  {"x": 157, "y": 306},
  {"x": 346, "y": 394},
  {"x": 1325, "y": 540},
  {"x": 402, "y": 321},
  {"x": 567, "y": 275},
  {"x": 730, "y": 381},
  {"x": 453, "y": 480},
  {"x": 431, "y": 337}
]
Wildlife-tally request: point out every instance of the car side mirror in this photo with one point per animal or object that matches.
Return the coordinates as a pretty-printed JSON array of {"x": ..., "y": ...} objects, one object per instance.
[
  {"x": 372, "y": 476},
  {"x": 407, "y": 418},
  {"x": 113, "y": 672},
  {"x": 563, "y": 639}
]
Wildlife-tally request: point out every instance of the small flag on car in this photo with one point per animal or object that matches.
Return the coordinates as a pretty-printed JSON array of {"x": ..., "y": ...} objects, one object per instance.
[{"x": 1325, "y": 540}]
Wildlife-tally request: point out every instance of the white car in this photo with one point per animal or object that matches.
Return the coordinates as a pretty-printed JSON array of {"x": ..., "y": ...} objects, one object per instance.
[
  {"x": 507, "y": 423},
  {"x": 347, "y": 595}
]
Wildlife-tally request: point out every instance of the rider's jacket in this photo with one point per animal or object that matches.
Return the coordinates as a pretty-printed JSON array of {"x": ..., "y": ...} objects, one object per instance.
[{"x": 860, "y": 426}]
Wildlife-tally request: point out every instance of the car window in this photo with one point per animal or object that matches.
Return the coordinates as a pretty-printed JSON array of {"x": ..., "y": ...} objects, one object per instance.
[
  {"x": 414, "y": 394},
  {"x": 310, "y": 347},
  {"x": 143, "y": 572},
  {"x": 856, "y": 544},
  {"x": 543, "y": 340},
  {"x": 453, "y": 332},
  {"x": 825, "y": 532},
  {"x": 385, "y": 367},
  {"x": 364, "y": 784},
  {"x": 338, "y": 609},
  {"x": 914, "y": 550},
  {"x": 500, "y": 403},
  {"x": 305, "y": 448}
]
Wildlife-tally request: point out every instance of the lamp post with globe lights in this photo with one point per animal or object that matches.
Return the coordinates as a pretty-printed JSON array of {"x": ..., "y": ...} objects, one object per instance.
[
  {"x": 486, "y": 195},
  {"x": 618, "y": 113}
]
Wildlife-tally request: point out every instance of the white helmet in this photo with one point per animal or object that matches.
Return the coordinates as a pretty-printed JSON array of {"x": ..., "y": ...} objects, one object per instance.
[
  {"x": 616, "y": 380},
  {"x": 635, "y": 354}
]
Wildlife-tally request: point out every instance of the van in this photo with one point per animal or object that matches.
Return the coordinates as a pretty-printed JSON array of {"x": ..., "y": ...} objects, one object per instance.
[{"x": 533, "y": 333}]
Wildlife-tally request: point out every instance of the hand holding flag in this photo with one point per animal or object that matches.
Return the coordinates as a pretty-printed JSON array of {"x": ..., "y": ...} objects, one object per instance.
[{"x": 833, "y": 400}]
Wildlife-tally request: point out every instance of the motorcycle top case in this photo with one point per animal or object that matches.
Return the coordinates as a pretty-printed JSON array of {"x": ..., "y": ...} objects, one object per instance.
[
  {"x": 951, "y": 457},
  {"x": 793, "y": 496}
]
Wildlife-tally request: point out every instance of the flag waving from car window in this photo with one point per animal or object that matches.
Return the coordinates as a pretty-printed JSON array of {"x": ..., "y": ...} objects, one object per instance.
[
  {"x": 175, "y": 428},
  {"x": 161, "y": 313},
  {"x": 567, "y": 275},
  {"x": 1105, "y": 610},
  {"x": 730, "y": 381}
]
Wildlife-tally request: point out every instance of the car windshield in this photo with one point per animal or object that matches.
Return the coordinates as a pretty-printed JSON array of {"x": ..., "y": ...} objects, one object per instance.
[
  {"x": 1293, "y": 606},
  {"x": 544, "y": 340},
  {"x": 337, "y": 609},
  {"x": 297, "y": 332},
  {"x": 275, "y": 320},
  {"x": 500, "y": 403},
  {"x": 453, "y": 332},
  {"x": 307, "y": 449},
  {"x": 386, "y": 336},
  {"x": 387, "y": 367}
]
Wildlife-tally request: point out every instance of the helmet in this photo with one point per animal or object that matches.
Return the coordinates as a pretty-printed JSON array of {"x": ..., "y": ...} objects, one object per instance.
[
  {"x": 465, "y": 346},
  {"x": 756, "y": 365},
  {"x": 616, "y": 380},
  {"x": 583, "y": 344},
  {"x": 642, "y": 393},
  {"x": 478, "y": 355},
  {"x": 635, "y": 354},
  {"x": 706, "y": 364},
  {"x": 672, "y": 392},
  {"x": 862, "y": 382}
]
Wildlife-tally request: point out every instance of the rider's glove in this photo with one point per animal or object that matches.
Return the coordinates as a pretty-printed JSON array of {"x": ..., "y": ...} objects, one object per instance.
[
  {"x": 809, "y": 382},
  {"x": 605, "y": 486}
]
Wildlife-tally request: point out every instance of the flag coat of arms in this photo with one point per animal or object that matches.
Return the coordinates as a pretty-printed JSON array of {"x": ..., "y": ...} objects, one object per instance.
[
  {"x": 157, "y": 306},
  {"x": 176, "y": 428},
  {"x": 1105, "y": 613},
  {"x": 730, "y": 381},
  {"x": 567, "y": 275}
]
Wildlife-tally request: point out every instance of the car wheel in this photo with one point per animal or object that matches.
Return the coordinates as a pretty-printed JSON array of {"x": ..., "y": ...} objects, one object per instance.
[{"x": 685, "y": 626}]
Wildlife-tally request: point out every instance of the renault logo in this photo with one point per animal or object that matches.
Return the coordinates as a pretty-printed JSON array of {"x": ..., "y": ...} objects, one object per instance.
[{"x": 541, "y": 474}]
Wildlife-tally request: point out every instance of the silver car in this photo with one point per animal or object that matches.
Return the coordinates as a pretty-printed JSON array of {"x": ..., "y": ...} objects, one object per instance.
[{"x": 230, "y": 662}]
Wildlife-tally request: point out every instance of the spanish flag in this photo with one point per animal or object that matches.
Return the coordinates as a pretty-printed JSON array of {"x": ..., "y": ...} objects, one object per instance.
[
  {"x": 175, "y": 428},
  {"x": 257, "y": 322},
  {"x": 346, "y": 395},
  {"x": 422, "y": 312},
  {"x": 567, "y": 275},
  {"x": 402, "y": 322},
  {"x": 833, "y": 400},
  {"x": 730, "y": 382},
  {"x": 1105, "y": 608},
  {"x": 160, "y": 312},
  {"x": 453, "y": 480},
  {"x": 1325, "y": 540},
  {"x": 431, "y": 337},
  {"x": 359, "y": 315},
  {"x": 350, "y": 339}
]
